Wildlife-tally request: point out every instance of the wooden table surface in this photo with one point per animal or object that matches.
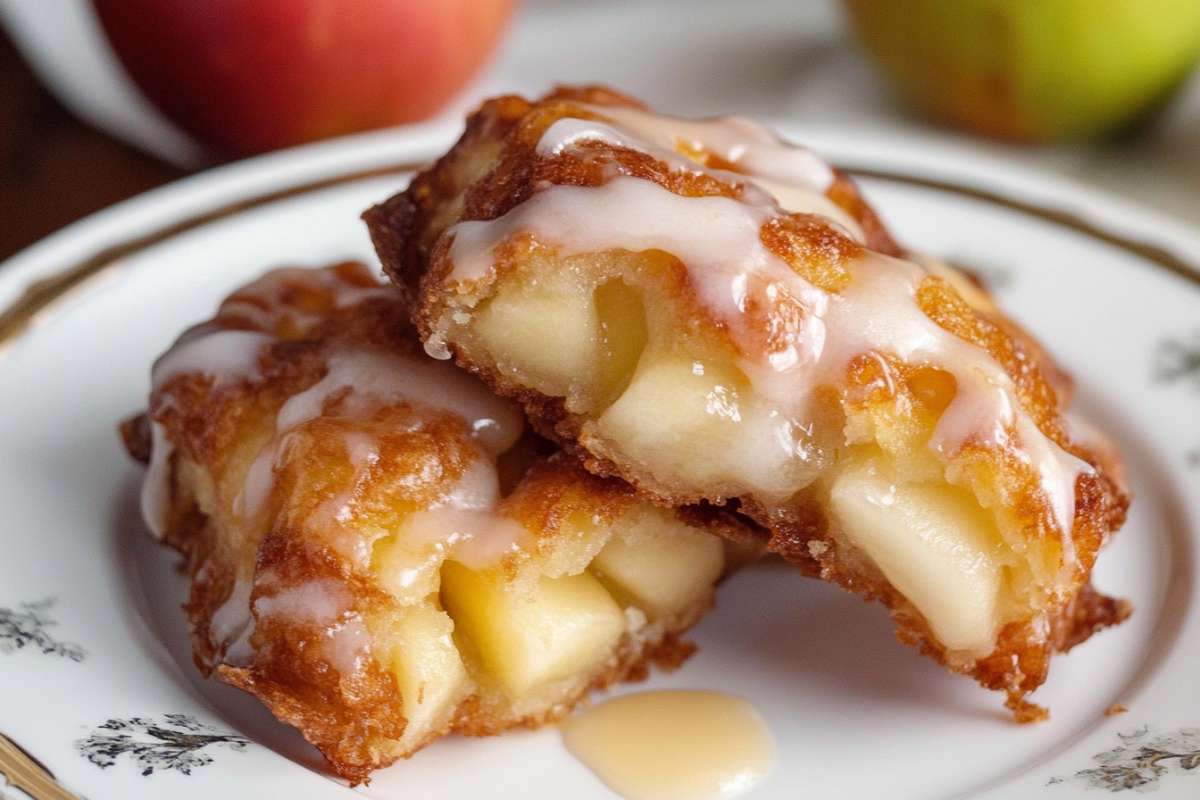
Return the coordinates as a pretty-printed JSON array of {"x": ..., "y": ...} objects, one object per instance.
[{"x": 54, "y": 168}]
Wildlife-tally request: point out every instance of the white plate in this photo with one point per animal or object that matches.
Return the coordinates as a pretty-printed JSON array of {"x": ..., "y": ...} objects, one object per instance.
[{"x": 1114, "y": 291}]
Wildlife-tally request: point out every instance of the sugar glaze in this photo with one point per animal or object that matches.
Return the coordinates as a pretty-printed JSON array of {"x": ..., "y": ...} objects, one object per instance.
[
  {"x": 673, "y": 745},
  {"x": 356, "y": 383},
  {"x": 718, "y": 241}
]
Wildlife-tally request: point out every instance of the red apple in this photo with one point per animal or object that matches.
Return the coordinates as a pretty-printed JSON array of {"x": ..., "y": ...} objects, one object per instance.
[{"x": 245, "y": 76}]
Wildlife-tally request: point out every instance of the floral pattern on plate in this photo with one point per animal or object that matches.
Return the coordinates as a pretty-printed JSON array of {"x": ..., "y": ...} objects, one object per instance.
[
  {"x": 176, "y": 742},
  {"x": 1178, "y": 359},
  {"x": 1141, "y": 760},
  {"x": 26, "y": 626}
]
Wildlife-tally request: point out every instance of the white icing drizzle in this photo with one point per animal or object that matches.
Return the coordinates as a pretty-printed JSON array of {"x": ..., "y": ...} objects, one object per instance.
[
  {"x": 1058, "y": 471},
  {"x": 374, "y": 376},
  {"x": 225, "y": 357},
  {"x": 477, "y": 490},
  {"x": 1081, "y": 430},
  {"x": 362, "y": 448},
  {"x": 752, "y": 147},
  {"x": 363, "y": 381},
  {"x": 718, "y": 240},
  {"x": 156, "y": 491},
  {"x": 232, "y": 624},
  {"x": 335, "y": 513},
  {"x": 462, "y": 526},
  {"x": 476, "y": 539},
  {"x": 347, "y": 644},
  {"x": 796, "y": 177},
  {"x": 808, "y": 197},
  {"x": 266, "y": 302},
  {"x": 327, "y": 604},
  {"x": 357, "y": 382},
  {"x": 318, "y": 601}
]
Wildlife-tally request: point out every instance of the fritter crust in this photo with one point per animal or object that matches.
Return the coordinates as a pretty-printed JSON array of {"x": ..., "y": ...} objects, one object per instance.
[
  {"x": 496, "y": 166},
  {"x": 343, "y": 697},
  {"x": 493, "y": 168}
]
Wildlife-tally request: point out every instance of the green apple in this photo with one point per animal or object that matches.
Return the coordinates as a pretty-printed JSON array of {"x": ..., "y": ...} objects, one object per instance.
[{"x": 1032, "y": 70}]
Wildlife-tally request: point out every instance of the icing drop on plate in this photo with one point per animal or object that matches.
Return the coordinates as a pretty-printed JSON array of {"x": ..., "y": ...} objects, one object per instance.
[{"x": 673, "y": 745}]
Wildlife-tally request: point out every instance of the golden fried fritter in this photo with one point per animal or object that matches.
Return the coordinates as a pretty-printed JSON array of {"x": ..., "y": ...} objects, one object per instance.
[
  {"x": 712, "y": 314},
  {"x": 375, "y": 549}
]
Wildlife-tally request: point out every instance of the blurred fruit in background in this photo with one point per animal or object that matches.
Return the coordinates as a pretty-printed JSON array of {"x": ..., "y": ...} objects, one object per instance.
[
  {"x": 246, "y": 76},
  {"x": 1032, "y": 70}
]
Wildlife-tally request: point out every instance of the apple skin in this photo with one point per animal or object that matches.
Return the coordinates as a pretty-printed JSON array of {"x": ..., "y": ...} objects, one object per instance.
[
  {"x": 1032, "y": 70},
  {"x": 247, "y": 76}
]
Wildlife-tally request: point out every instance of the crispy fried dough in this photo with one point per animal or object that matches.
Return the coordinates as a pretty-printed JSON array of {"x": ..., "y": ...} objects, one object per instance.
[
  {"x": 527, "y": 229},
  {"x": 320, "y": 474}
]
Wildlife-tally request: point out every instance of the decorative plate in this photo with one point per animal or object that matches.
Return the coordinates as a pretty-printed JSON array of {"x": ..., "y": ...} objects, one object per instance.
[{"x": 98, "y": 694}]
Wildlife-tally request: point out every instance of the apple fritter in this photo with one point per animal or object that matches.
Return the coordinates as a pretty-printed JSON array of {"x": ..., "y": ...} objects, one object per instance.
[
  {"x": 376, "y": 549},
  {"x": 713, "y": 314}
]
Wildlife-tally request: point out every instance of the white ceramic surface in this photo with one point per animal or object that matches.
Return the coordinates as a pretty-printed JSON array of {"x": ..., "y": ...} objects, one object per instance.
[{"x": 855, "y": 713}]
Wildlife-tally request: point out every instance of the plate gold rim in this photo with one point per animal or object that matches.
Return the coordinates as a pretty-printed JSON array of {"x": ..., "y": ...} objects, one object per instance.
[
  {"x": 1159, "y": 256},
  {"x": 37, "y": 296}
]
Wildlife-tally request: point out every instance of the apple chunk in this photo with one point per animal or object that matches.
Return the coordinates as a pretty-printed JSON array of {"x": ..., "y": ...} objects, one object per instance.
[
  {"x": 549, "y": 333},
  {"x": 428, "y": 669},
  {"x": 528, "y": 639},
  {"x": 933, "y": 542},
  {"x": 699, "y": 421},
  {"x": 676, "y": 414},
  {"x": 621, "y": 316},
  {"x": 660, "y": 564}
]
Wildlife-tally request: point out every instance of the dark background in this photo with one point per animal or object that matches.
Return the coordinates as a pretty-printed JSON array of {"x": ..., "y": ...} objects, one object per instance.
[{"x": 55, "y": 169}]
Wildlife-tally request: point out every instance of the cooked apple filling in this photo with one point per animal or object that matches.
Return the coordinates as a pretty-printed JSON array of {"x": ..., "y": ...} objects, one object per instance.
[
  {"x": 712, "y": 314},
  {"x": 679, "y": 412},
  {"x": 376, "y": 549}
]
